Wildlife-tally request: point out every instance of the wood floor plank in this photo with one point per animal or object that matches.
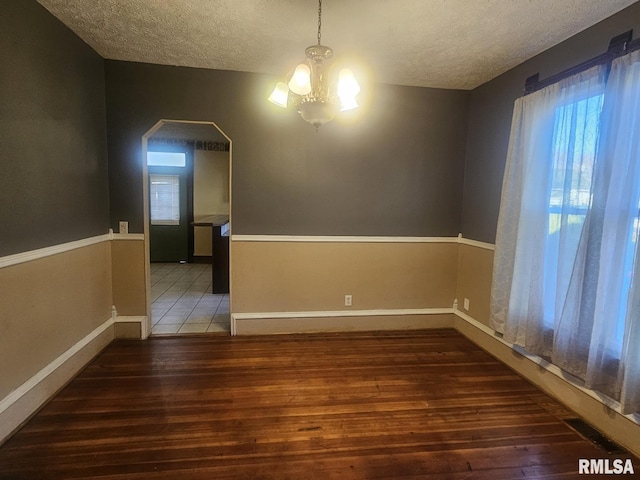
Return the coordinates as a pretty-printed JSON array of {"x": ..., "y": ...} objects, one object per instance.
[{"x": 425, "y": 404}]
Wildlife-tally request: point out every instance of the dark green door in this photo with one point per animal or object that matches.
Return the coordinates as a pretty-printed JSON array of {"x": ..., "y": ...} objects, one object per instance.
[{"x": 169, "y": 225}]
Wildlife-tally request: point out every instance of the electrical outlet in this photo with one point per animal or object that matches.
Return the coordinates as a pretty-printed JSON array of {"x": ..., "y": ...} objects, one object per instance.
[
  {"x": 124, "y": 227},
  {"x": 466, "y": 304},
  {"x": 348, "y": 300}
]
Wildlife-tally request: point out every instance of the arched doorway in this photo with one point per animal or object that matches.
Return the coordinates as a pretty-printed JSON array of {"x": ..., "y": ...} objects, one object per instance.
[{"x": 199, "y": 144}]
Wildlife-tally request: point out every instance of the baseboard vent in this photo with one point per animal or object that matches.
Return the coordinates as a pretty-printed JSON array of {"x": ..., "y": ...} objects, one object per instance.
[{"x": 594, "y": 436}]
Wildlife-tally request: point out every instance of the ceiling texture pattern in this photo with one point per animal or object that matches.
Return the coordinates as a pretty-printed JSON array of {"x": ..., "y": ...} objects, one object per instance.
[{"x": 458, "y": 44}]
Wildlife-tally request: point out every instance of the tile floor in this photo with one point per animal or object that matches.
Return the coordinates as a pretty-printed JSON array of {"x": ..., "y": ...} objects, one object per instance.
[{"x": 182, "y": 302}]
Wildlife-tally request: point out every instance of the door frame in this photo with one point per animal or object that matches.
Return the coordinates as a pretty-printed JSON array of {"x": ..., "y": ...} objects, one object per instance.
[{"x": 145, "y": 201}]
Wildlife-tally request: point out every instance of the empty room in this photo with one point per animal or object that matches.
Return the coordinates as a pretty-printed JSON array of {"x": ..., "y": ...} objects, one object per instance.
[{"x": 319, "y": 239}]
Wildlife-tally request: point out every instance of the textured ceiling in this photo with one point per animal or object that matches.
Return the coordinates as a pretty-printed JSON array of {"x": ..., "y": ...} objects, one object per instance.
[{"x": 430, "y": 43}]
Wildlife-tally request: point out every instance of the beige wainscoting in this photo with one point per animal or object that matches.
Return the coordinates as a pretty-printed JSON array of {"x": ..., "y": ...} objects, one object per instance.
[
  {"x": 55, "y": 316},
  {"x": 299, "y": 277},
  {"x": 475, "y": 264},
  {"x": 128, "y": 263},
  {"x": 129, "y": 287}
]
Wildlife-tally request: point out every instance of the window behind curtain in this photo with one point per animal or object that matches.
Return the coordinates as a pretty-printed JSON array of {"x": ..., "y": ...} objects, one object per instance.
[
  {"x": 630, "y": 258},
  {"x": 575, "y": 147},
  {"x": 575, "y": 143}
]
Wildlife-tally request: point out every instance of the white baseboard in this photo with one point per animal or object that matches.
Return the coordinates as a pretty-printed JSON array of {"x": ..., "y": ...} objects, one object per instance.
[
  {"x": 342, "y": 320},
  {"x": 140, "y": 319},
  {"x": 598, "y": 409},
  {"x": 549, "y": 367},
  {"x": 17, "y": 407}
]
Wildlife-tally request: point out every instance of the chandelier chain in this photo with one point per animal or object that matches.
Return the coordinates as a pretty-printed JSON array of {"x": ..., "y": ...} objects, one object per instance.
[{"x": 319, "y": 21}]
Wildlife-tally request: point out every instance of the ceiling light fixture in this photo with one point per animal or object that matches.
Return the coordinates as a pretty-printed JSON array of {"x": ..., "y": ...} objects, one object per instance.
[{"x": 314, "y": 89}]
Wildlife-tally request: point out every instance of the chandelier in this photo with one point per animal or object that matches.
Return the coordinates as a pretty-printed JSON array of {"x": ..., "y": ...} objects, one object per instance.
[{"x": 316, "y": 89}]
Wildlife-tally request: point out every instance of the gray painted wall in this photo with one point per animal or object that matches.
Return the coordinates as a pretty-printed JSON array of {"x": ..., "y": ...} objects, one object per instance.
[
  {"x": 53, "y": 183},
  {"x": 397, "y": 170},
  {"x": 491, "y": 108}
]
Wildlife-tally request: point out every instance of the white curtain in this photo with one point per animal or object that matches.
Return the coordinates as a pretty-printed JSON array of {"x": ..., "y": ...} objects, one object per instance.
[
  {"x": 614, "y": 355},
  {"x": 534, "y": 254},
  {"x": 563, "y": 280}
]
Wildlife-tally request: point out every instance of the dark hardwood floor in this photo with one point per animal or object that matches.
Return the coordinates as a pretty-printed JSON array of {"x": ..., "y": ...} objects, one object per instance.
[{"x": 422, "y": 405}]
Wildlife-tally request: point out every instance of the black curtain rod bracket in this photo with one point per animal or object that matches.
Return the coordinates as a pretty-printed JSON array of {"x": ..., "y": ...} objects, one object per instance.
[{"x": 618, "y": 46}]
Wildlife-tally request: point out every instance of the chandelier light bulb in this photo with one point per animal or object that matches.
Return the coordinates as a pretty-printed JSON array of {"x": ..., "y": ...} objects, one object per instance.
[
  {"x": 347, "y": 84},
  {"x": 280, "y": 95},
  {"x": 300, "y": 82},
  {"x": 348, "y": 103}
]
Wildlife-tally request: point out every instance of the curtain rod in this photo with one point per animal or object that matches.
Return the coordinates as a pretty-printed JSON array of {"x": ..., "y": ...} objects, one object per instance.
[{"x": 618, "y": 46}]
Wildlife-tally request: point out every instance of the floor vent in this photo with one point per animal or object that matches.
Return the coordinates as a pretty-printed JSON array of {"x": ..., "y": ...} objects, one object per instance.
[{"x": 594, "y": 436}]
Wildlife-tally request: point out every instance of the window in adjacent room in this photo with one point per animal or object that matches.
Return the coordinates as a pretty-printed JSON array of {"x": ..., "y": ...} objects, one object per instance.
[
  {"x": 166, "y": 159},
  {"x": 164, "y": 197}
]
